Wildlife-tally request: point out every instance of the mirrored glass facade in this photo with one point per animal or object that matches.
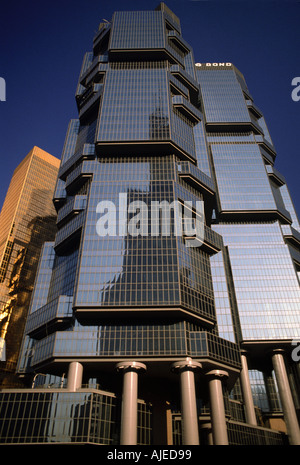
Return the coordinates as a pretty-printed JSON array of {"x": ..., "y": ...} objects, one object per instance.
[
  {"x": 27, "y": 219},
  {"x": 256, "y": 218},
  {"x": 129, "y": 288}
]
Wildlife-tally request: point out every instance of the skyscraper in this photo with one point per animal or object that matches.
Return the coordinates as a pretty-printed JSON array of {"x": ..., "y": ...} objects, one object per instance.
[
  {"x": 166, "y": 301},
  {"x": 27, "y": 219},
  {"x": 260, "y": 230}
]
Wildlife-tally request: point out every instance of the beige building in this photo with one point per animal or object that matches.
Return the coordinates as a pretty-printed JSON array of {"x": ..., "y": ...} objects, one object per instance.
[{"x": 27, "y": 220}]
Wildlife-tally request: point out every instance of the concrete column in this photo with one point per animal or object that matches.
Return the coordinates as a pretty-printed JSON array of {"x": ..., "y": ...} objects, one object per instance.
[
  {"x": 189, "y": 415},
  {"x": 75, "y": 373},
  {"x": 218, "y": 420},
  {"x": 207, "y": 428},
  {"x": 286, "y": 398},
  {"x": 161, "y": 422},
  {"x": 129, "y": 401},
  {"x": 272, "y": 395},
  {"x": 247, "y": 393}
]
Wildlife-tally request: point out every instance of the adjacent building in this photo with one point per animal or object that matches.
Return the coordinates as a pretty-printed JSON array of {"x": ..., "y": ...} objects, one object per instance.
[
  {"x": 27, "y": 220},
  {"x": 166, "y": 308},
  {"x": 260, "y": 230}
]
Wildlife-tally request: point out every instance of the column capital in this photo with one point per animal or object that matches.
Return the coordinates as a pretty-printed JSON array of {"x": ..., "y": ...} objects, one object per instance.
[
  {"x": 278, "y": 350},
  {"x": 244, "y": 352},
  {"x": 205, "y": 425},
  {"x": 130, "y": 365},
  {"x": 186, "y": 364},
  {"x": 217, "y": 374}
]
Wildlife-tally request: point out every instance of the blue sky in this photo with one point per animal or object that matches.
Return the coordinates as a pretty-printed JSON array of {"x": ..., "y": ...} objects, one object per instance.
[{"x": 42, "y": 44}]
